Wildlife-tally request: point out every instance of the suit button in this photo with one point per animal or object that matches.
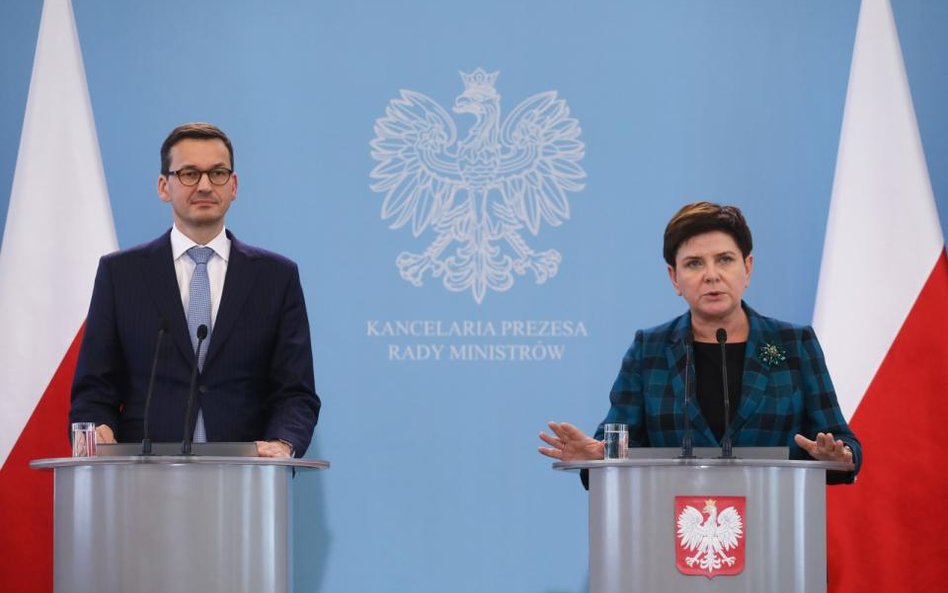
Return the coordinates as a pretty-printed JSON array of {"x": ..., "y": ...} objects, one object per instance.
[{"x": 202, "y": 389}]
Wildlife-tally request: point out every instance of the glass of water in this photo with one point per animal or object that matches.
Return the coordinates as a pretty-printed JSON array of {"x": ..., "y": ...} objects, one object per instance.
[
  {"x": 83, "y": 439},
  {"x": 616, "y": 440}
]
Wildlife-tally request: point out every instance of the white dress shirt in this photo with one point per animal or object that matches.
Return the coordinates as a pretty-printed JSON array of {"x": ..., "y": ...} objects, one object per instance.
[{"x": 216, "y": 267}]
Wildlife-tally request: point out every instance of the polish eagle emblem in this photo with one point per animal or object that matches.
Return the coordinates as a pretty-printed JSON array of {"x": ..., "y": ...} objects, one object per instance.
[
  {"x": 479, "y": 194},
  {"x": 710, "y": 542}
]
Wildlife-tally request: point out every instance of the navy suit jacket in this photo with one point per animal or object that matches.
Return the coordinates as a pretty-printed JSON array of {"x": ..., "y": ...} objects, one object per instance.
[
  {"x": 257, "y": 381},
  {"x": 779, "y": 398}
]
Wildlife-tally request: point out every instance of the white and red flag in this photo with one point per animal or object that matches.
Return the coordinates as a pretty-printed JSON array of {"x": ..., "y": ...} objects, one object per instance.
[
  {"x": 58, "y": 225},
  {"x": 881, "y": 318}
]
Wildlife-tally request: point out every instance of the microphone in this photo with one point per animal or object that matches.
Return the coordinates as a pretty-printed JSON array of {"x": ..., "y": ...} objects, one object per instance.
[
  {"x": 146, "y": 440},
  {"x": 188, "y": 421},
  {"x": 687, "y": 450},
  {"x": 726, "y": 452}
]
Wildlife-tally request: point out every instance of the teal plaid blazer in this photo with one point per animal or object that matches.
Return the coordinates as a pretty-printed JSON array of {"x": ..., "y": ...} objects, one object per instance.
[{"x": 779, "y": 398}]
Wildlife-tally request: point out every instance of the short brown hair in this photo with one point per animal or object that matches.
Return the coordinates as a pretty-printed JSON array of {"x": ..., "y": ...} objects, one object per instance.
[
  {"x": 705, "y": 217},
  {"x": 197, "y": 131}
]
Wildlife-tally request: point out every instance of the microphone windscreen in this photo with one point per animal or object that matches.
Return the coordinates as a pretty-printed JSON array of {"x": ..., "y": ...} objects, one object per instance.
[
  {"x": 721, "y": 335},
  {"x": 202, "y": 331}
]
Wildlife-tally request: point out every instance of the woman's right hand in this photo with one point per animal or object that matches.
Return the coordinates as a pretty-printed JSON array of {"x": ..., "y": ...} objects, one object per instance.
[{"x": 568, "y": 443}]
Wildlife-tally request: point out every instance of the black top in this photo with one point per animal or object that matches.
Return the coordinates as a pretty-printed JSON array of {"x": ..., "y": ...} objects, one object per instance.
[{"x": 709, "y": 389}]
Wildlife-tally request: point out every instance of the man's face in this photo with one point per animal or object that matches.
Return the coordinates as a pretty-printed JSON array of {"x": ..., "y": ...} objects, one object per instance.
[{"x": 199, "y": 209}]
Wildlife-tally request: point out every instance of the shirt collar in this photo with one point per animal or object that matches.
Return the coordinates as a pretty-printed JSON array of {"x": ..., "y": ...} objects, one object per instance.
[{"x": 180, "y": 244}]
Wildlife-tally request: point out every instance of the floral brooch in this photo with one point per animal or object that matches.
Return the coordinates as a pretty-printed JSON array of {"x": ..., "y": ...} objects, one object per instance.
[{"x": 771, "y": 354}]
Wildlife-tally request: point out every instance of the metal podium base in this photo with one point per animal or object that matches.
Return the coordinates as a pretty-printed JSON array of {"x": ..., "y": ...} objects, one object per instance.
[
  {"x": 173, "y": 524},
  {"x": 632, "y": 524}
]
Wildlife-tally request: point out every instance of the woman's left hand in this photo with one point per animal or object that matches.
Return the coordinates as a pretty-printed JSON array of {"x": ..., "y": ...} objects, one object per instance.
[{"x": 825, "y": 448}]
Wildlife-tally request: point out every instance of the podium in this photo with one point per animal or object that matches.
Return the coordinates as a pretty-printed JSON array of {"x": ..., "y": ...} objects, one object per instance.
[
  {"x": 635, "y": 542},
  {"x": 173, "y": 524}
]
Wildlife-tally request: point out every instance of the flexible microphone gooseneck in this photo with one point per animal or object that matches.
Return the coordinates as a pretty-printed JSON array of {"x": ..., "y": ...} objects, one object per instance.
[
  {"x": 188, "y": 421},
  {"x": 146, "y": 440},
  {"x": 726, "y": 452},
  {"x": 687, "y": 450}
]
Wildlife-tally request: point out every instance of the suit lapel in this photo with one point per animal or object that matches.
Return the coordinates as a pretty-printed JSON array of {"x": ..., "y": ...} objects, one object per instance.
[
  {"x": 158, "y": 274},
  {"x": 755, "y": 377},
  {"x": 238, "y": 283},
  {"x": 676, "y": 357}
]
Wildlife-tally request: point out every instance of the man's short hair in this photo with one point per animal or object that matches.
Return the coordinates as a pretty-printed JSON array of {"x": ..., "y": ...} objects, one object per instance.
[
  {"x": 196, "y": 131},
  {"x": 705, "y": 217}
]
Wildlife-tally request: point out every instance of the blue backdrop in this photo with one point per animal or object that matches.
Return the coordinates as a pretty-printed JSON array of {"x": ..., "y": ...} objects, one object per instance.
[{"x": 433, "y": 398}]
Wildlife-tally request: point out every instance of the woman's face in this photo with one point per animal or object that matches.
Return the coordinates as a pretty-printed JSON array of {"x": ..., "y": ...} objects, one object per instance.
[{"x": 712, "y": 275}]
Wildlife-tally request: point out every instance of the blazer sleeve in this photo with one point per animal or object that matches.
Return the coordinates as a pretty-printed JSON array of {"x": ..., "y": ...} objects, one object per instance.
[
  {"x": 627, "y": 398},
  {"x": 292, "y": 400},
  {"x": 822, "y": 407},
  {"x": 98, "y": 381}
]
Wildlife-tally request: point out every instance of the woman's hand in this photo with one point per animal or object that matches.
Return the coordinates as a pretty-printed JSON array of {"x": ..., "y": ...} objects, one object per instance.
[
  {"x": 825, "y": 448},
  {"x": 568, "y": 443}
]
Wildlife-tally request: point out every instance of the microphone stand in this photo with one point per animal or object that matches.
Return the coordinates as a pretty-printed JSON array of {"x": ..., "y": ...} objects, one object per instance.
[
  {"x": 687, "y": 450},
  {"x": 726, "y": 452},
  {"x": 146, "y": 440},
  {"x": 188, "y": 421}
]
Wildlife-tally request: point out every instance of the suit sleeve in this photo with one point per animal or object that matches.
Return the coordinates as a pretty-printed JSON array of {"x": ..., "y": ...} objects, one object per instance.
[
  {"x": 822, "y": 408},
  {"x": 97, "y": 384},
  {"x": 627, "y": 398},
  {"x": 292, "y": 399}
]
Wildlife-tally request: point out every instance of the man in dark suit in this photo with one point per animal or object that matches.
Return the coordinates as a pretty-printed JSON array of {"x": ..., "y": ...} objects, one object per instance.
[{"x": 256, "y": 365}]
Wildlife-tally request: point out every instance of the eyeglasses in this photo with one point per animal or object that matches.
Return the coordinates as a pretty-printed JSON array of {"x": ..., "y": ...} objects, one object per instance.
[{"x": 190, "y": 176}]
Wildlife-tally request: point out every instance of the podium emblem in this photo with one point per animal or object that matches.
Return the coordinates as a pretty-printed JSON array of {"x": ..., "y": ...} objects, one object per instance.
[{"x": 709, "y": 541}]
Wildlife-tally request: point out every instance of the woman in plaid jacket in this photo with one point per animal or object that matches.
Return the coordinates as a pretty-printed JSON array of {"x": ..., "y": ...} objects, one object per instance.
[{"x": 780, "y": 391}]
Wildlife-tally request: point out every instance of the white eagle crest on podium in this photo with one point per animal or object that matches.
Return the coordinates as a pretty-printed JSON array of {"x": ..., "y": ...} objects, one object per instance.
[
  {"x": 709, "y": 540},
  {"x": 478, "y": 193}
]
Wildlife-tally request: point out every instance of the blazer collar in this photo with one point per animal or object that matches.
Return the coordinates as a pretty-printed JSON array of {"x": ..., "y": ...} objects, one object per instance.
[
  {"x": 159, "y": 276},
  {"x": 240, "y": 278},
  {"x": 680, "y": 358},
  {"x": 756, "y": 375},
  {"x": 754, "y": 379}
]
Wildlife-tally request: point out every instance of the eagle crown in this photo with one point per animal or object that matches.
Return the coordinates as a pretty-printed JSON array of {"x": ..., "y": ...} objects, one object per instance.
[{"x": 479, "y": 82}]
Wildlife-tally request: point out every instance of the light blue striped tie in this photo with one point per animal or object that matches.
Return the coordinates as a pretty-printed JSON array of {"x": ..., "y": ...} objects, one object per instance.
[{"x": 199, "y": 313}]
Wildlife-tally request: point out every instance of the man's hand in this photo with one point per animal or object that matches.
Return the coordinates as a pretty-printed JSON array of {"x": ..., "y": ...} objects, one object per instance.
[
  {"x": 274, "y": 449},
  {"x": 104, "y": 434}
]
